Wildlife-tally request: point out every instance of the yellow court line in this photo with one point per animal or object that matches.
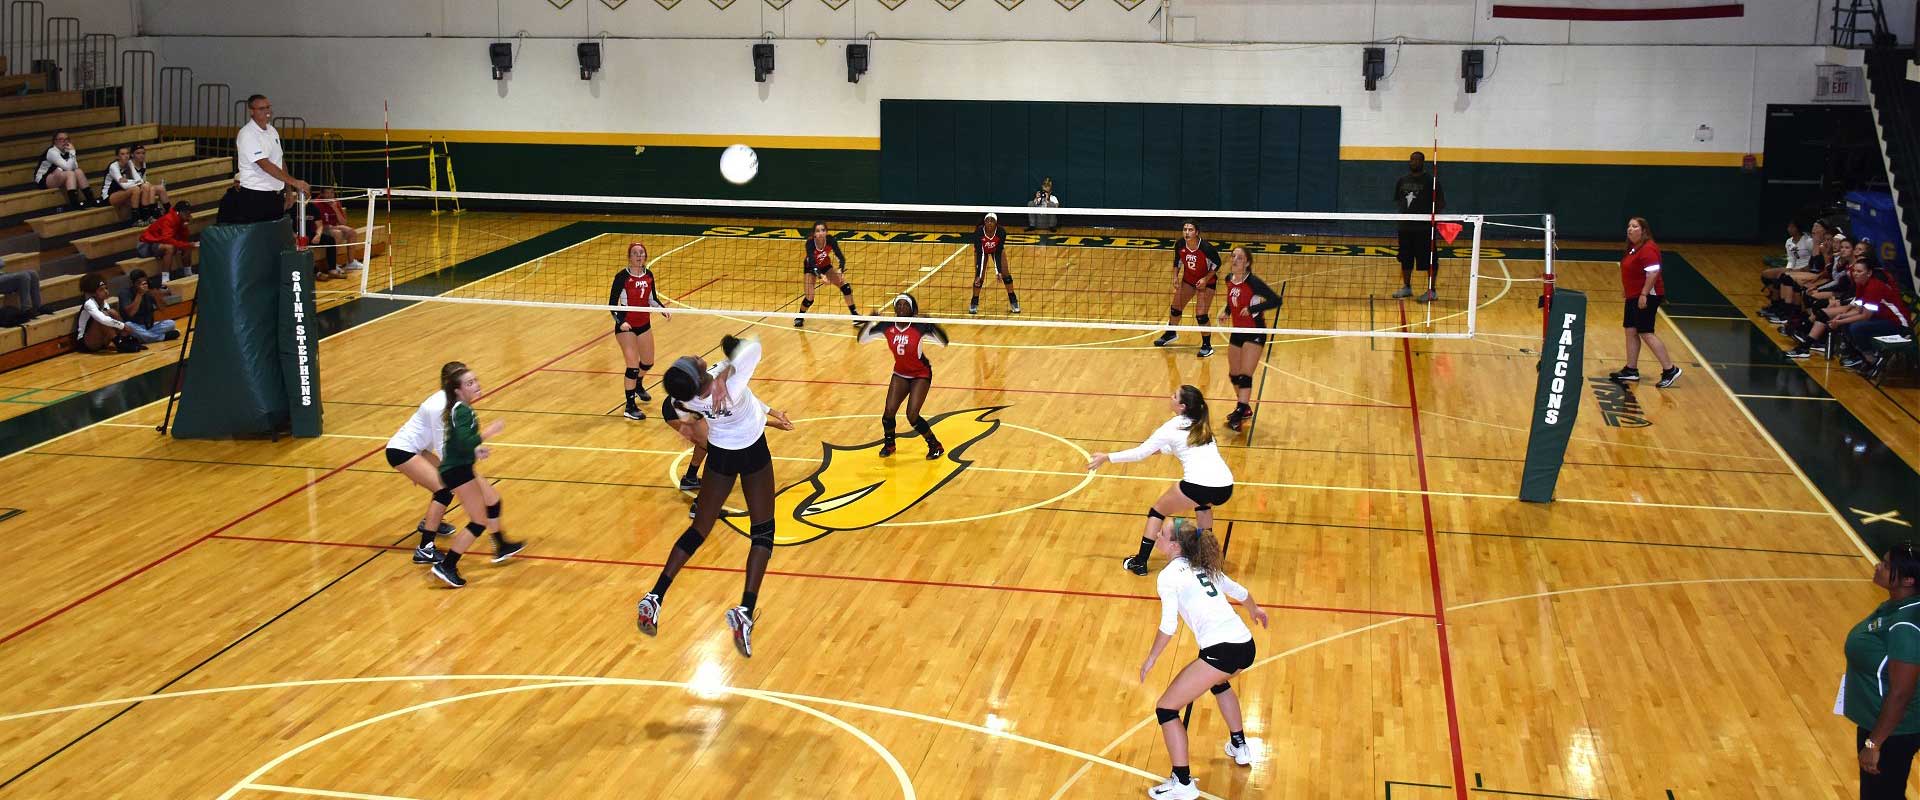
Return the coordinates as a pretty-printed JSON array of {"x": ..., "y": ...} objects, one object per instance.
[{"x": 1850, "y": 533}]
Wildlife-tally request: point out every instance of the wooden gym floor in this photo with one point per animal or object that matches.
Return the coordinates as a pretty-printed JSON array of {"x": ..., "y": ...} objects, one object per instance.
[{"x": 241, "y": 619}]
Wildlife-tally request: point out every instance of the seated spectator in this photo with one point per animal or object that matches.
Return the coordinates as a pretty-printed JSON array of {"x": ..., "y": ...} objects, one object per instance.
[
  {"x": 1044, "y": 198},
  {"x": 137, "y": 306},
  {"x": 327, "y": 222},
  {"x": 126, "y": 186},
  {"x": 60, "y": 169},
  {"x": 1799, "y": 254},
  {"x": 1882, "y": 312},
  {"x": 168, "y": 241},
  {"x": 26, "y": 287},
  {"x": 100, "y": 328}
]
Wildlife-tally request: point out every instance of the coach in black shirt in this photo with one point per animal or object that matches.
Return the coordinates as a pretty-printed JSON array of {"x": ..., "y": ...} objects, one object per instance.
[{"x": 1417, "y": 192}]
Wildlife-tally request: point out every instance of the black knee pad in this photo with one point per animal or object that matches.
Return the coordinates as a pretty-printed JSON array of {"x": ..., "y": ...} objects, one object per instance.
[
  {"x": 1221, "y": 688},
  {"x": 918, "y": 422},
  {"x": 1242, "y": 381},
  {"x": 1154, "y": 513},
  {"x": 805, "y": 304},
  {"x": 1174, "y": 312},
  {"x": 1203, "y": 507},
  {"x": 689, "y": 541},
  {"x": 644, "y": 367},
  {"x": 476, "y": 528},
  {"x": 443, "y": 497},
  {"x": 633, "y": 373},
  {"x": 760, "y": 534},
  {"x": 493, "y": 511},
  {"x": 1166, "y": 715},
  {"x": 846, "y": 289},
  {"x": 1200, "y": 318},
  {"x": 1006, "y": 278}
]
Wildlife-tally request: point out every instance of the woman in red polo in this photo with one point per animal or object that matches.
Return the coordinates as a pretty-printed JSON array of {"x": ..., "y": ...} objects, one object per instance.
[{"x": 1643, "y": 287}]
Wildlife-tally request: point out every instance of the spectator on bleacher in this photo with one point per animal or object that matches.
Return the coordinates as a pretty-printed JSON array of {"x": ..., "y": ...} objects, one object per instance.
[
  {"x": 126, "y": 186},
  {"x": 1799, "y": 253},
  {"x": 1831, "y": 307},
  {"x": 168, "y": 241},
  {"x": 255, "y": 196},
  {"x": 100, "y": 327},
  {"x": 1044, "y": 198},
  {"x": 25, "y": 285},
  {"x": 137, "y": 306},
  {"x": 1882, "y": 312},
  {"x": 60, "y": 169},
  {"x": 333, "y": 224}
]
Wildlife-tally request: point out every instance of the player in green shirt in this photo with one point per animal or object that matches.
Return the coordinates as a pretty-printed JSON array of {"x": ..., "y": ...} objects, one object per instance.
[
  {"x": 465, "y": 446},
  {"x": 1883, "y": 666}
]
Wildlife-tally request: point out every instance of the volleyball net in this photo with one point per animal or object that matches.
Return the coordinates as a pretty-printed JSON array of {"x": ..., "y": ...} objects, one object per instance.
[{"x": 1112, "y": 269}]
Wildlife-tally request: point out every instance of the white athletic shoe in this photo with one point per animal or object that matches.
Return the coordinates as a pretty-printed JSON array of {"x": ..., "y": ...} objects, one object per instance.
[
  {"x": 741, "y": 623},
  {"x": 354, "y": 264},
  {"x": 1242, "y": 755},
  {"x": 1173, "y": 789}
]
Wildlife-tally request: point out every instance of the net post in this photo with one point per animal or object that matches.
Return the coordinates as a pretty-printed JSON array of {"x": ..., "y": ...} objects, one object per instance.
[
  {"x": 1546, "y": 279},
  {"x": 1473, "y": 280},
  {"x": 300, "y": 236},
  {"x": 366, "y": 247}
]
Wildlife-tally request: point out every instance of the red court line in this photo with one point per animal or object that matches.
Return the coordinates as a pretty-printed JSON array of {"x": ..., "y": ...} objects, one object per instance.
[
  {"x": 829, "y": 577},
  {"x": 1012, "y": 391},
  {"x": 243, "y": 518},
  {"x": 1433, "y": 572}
]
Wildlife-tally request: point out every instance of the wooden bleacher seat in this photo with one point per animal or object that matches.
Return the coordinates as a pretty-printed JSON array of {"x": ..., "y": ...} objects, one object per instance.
[
  {"x": 53, "y": 326},
  {"x": 46, "y": 122},
  {"x": 30, "y": 149},
  {"x": 43, "y": 101},
  {"x": 67, "y": 223},
  {"x": 12, "y": 339},
  {"x": 26, "y": 82},
  {"x": 95, "y": 161},
  {"x": 112, "y": 243}
]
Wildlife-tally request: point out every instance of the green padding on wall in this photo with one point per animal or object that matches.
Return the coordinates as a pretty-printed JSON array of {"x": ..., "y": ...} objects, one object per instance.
[
  {"x": 1319, "y": 159},
  {"x": 1126, "y": 149},
  {"x": 1047, "y": 134},
  {"x": 1199, "y": 178},
  {"x": 897, "y": 162},
  {"x": 1160, "y": 156},
  {"x": 1007, "y": 161},
  {"x": 1086, "y": 156},
  {"x": 1240, "y": 157},
  {"x": 234, "y": 384},
  {"x": 1279, "y": 175}
]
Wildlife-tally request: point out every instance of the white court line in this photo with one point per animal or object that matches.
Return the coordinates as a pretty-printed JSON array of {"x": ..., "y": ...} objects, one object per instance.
[
  {"x": 1784, "y": 396},
  {"x": 268, "y": 787},
  {"x": 942, "y": 265}
]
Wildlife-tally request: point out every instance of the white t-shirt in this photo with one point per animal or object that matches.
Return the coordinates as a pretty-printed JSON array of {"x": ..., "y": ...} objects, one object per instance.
[
  {"x": 1201, "y": 465},
  {"x": 116, "y": 178},
  {"x": 1202, "y": 602},
  {"x": 1799, "y": 251},
  {"x": 426, "y": 430},
  {"x": 745, "y": 421},
  {"x": 55, "y": 158},
  {"x": 254, "y": 143}
]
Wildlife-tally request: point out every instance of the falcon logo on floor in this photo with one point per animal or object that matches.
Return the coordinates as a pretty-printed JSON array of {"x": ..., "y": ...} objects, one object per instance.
[
  {"x": 855, "y": 488},
  {"x": 1617, "y": 404}
]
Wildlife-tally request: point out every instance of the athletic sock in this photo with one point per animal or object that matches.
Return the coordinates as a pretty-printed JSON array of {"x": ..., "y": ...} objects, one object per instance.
[
  {"x": 426, "y": 536},
  {"x": 1184, "y": 774},
  {"x": 1146, "y": 546},
  {"x": 1239, "y": 738},
  {"x": 1206, "y": 339},
  {"x": 693, "y": 473},
  {"x": 660, "y": 586},
  {"x": 748, "y": 600},
  {"x": 451, "y": 558},
  {"x": 499, "y": 540}
]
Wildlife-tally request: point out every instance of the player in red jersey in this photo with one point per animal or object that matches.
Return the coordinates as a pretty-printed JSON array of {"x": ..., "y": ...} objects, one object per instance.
[
  {"x": 912, "y": 372},
  {"x": 1644, "y": 288},
  {"x": 990, "y": 244},
  {"x": 633, "y": 287},
  {"x": 1247, "y": 299},
  {"x": 1196, "y": 270},
  {"x": 818, "y": 266}
]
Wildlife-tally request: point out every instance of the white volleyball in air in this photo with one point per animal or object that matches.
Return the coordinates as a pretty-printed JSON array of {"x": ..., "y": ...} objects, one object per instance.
[{"x": 739, "y": 164}]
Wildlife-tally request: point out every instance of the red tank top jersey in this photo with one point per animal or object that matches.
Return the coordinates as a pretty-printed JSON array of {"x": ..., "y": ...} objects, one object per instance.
[
  {"x": 990, "y": 242},
  {"x": 636, "y": 291},
  {"x": 1634, "y": 268},
  {"x": 908, "y": 361},
  {"x": 1197, "y": 263},
  {"x": 820, "y": 258},
  {"x": 1239, "y": 296}
]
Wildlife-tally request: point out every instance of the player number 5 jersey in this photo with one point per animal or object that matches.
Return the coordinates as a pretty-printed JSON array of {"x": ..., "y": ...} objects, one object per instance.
[{"x": 1202, "y": 601}]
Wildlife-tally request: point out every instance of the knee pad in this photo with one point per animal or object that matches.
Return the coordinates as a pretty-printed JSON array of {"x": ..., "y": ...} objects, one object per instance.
[
  {"x": 1166, "y": 715},
  {"x": 918, "y": 422},
  {"x": 689, "y": 541},
  {"x": 633, "y": 373},
  {"x": 1221, "y": 688},
  {"x": 1203, "y": 507},
  {"x": 760, "y": 534},
  {"x": 1006, "y": 278},
  {"x": 645, "y": 366},
  {"x": 1242, "y": 381},
  {"x": 806, "y": 303},
  {"x": 476, "y": 528},
  {"x": 1154, "y": 513},
  {"x": 1174, "y": 312},
  {"x": 1200, "y": 318},
  {"x": 846, "y": 289},
  {"x": 443, "y": 497},
  {"x": 493, "y": 511}
]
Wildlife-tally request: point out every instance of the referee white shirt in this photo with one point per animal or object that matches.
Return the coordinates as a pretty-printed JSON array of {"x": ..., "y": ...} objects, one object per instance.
[{"x": 255, "y": 142}]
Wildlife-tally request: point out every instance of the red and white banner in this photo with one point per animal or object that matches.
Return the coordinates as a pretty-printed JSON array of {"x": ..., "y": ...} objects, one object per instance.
[{"x": 1618, "y": 10}]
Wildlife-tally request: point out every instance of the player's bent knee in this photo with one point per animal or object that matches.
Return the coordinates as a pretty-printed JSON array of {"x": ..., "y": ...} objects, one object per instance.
[
  {"x": 493, "y": 511},
  {"x": 1006, "y": 278},
  {"x": 1154, "y": 513},
  {"x": 633, "y": 373},
  {"x": 1175, "y": 311},
  {"x": 760, "y": 534},
  {"x": 1221, "y": 688},
  {"x": 1200, "y": 318},
  {"x": 475, "y": 529},
  {"x": 846, "y": 289},
  {"x": 644, "y": 366},
  {"x": 443, "y": 497},
  {"x": 1166, "y": 715},
  {"x": 689, "y": 541},
  {"x": 1242, "y": 381}
]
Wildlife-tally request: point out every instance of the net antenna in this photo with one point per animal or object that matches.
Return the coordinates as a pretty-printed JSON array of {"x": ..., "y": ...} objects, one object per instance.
[{"x": 1109, "y": 271}]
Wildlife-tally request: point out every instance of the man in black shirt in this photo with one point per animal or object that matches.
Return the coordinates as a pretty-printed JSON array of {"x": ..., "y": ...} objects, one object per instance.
[{"x": 1418, "y": 192}]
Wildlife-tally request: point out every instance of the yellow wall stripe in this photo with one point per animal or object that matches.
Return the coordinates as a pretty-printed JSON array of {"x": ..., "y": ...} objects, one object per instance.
[
  {"x": 1495, "y": 155},
  {"x": 612, "y": 139}
]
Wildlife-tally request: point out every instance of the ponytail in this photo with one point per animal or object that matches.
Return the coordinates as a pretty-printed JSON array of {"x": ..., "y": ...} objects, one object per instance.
[
  {"x": 450, "y": 375},
  {"x": 1199, "y": 424}
]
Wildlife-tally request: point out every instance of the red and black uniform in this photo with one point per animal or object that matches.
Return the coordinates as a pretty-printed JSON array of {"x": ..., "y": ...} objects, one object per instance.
[
  {"x": 1199, "y": 265},
  {"x": 1640, "y": 265},
  {"x": 989, "y": 246},
  {"x": 633, "y": 291},
  {"x": 819, "y": 260},
  {"x": 1247, "y": 301},
  {"x": 912, "y": 376},
  {"x": 907, "y": 341}
]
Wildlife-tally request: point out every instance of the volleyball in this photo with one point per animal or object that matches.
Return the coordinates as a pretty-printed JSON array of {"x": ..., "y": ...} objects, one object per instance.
[{"x": 739, "y": 164}]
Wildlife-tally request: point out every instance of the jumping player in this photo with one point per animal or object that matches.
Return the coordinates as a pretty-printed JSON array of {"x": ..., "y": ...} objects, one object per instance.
[
  {"x": 633, "y": 287},
  {"x": 990, "y": 242},
  {"x": 1193, "y": 588},
  {"x": 1247, "y": 299},
  {"x": 736, "y": 450},
  {"x": 912, "y": 372},
  {"x": 464, "y": 449},
  {"x": 1196, "y": 270},
  {"x": 1205, "y": 480},
  {"x": 821, "y": 251}
]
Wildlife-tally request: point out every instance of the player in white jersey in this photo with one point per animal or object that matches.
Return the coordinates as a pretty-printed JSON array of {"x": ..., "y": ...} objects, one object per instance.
[
  {"x": 1205, "y": 482},
  {"x": 1192, "y": 588},
  {"x": 736, "y": 449},
  {"x": 414, "y": 451}
]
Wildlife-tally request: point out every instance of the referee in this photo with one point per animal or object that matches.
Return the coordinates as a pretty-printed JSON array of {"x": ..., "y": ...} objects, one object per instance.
[
  {"x": 1417, "y": 193},
  {"x": 255, "y": 196}
]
